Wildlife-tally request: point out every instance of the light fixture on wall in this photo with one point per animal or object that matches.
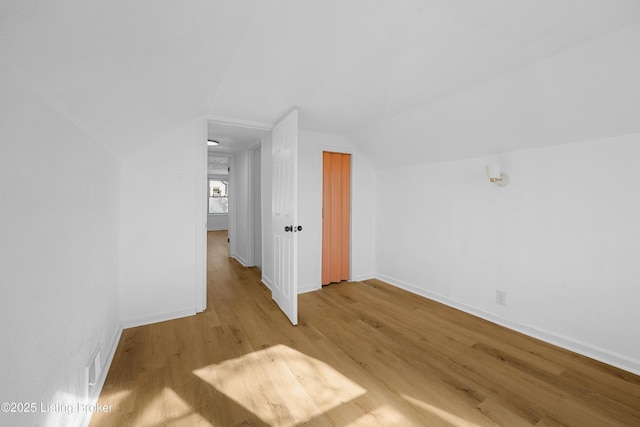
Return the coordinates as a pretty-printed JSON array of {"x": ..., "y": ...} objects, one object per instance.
[
  {"x": 495, "y": 175},
  {"x": 211, "y": 142}
]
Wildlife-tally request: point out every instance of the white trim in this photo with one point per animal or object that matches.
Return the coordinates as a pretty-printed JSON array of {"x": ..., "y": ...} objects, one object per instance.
[
  {"x": 85, "y": 417},
  {"x": 600, "y": 354},
  {"x": 231, "y": 229},
  {"x": 309, "y": 287},
  {"x": 265, "y": 214},
  {"x": 201, "y": 209},
  {"x": 230, "y": 121},
  {"x": 363, "y": 277},
  {"x": 156, "y": 318},
  {"x": 241, "y": 260},
  {"x": 218, "y": 229},
  {"x": 256, "y": 145},
  {"x": 267, "y": 282},
  {"x": 253, "y": 208},
  {"x": 250, "y": 223}
]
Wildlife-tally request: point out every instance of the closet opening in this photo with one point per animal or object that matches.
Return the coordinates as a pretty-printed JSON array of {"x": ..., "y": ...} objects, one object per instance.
[{"x": 336, "y": 217}]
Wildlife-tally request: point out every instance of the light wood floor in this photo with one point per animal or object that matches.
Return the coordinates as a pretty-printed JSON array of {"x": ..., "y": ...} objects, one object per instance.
[{"x": 363, "y": 354}]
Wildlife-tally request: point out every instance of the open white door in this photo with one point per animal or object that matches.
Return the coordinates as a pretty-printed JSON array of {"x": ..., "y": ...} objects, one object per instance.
[{"x": 285, "y": 215}]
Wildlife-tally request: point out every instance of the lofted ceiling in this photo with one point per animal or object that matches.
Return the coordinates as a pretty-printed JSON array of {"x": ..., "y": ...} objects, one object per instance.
[
  {"x": 127, "y": 72},
  {"x": 349, "y": 64}
]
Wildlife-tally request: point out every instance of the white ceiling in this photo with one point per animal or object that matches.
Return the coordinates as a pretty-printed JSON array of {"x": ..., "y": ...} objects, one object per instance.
[
  {"x": 234, "y": 137},
  {"x": 128, "y": 71},
  {"x": 349, "y": 64}
]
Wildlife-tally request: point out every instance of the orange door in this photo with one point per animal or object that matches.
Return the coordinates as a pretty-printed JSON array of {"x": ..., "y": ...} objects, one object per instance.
[{"x": 336, "y": 222}]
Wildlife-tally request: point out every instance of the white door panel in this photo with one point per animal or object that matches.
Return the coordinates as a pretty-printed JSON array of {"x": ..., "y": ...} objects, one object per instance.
[{"x": 285, "y": 215}]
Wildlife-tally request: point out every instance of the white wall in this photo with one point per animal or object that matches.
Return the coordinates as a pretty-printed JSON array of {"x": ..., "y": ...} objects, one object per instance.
[
  {"x": 267, "y": 229},
  {"x": 161, "y": 222},
  {"x": 310, "y": 147},
  {"x": 561, "y": 240},
  {"x": 217, "y": 222},
  {"x": 245, "y": 206},
  {"x": 239, "y": 187},
  {"x": 58, "y": 256},
  {"x": 256, "y": 204}
]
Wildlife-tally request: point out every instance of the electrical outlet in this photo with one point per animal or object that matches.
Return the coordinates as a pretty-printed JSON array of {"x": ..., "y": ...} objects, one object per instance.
[{"x": 501, "y": 297}]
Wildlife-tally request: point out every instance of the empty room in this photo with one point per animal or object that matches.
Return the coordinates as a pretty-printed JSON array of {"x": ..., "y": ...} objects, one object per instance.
[{"x": 331, "y": 213}]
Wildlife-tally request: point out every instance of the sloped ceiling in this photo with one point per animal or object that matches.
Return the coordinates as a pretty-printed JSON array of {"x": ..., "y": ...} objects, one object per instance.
[
  {"x": 128, "y": 71},
  {"x": 125, "y": 71}
]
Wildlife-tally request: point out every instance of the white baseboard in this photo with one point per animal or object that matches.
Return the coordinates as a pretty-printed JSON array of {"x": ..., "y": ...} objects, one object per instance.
[
  {"x": 363, "y": 277},
  {"x": 308, "y": 287},
  {"x": 267, "y": 281},
  {"x": 240, "y": 260},
  {"x": 594, "y": 352},
  {"x": 160, "y": 317},
  {"x": 85, "y": 416}
]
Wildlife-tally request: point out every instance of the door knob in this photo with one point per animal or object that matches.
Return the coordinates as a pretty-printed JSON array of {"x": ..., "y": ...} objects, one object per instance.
[
  {"x": 298, "y": 228},
  {"x": 288, "y": 228}
]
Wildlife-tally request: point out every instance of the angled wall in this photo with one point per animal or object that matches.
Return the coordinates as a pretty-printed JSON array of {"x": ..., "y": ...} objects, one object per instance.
[
  {"x": 561, "y": 240},
  {"x": 161, "y": 223},
  {"x": 58, "y": 257}
]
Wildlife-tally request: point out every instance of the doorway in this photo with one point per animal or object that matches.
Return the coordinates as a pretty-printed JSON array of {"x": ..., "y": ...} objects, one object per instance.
[
  {"x": 218, "y": 191},
  {"x": 336, "y": 217},
  {"x": 238, "y": 142}
]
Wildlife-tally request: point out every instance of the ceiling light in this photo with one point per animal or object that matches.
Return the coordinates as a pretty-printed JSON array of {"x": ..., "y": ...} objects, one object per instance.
[{"x": 212, "y": 142}]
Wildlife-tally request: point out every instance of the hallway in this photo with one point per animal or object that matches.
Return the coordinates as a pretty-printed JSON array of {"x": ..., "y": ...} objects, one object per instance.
[{"x": 363, "y": 354}]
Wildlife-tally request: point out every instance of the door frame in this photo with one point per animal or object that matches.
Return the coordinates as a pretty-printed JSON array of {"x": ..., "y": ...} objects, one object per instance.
[
  {"x": 201, "y": 211},
  {"x": 201, "y": 201},
  {"x": 255, "y": 202},
  {"x": 342, "y": 150}
]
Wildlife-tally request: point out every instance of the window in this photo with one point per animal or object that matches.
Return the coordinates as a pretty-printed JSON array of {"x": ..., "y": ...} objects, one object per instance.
[{"x": 218, "y": 196}]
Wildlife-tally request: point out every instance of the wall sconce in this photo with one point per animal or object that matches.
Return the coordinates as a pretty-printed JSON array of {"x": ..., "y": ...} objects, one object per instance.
[{"x": 495, "y": 175}]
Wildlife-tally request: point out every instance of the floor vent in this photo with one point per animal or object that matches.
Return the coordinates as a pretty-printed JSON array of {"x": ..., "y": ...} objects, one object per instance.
[{"x": 93, "y": 372}]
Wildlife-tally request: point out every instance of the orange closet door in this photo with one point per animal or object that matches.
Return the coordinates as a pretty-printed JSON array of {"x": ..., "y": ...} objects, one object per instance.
[{"x": 336, "y": 222}]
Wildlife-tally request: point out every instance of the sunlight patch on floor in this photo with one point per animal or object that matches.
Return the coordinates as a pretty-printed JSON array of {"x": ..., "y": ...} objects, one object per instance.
[
  {"x": 120, "y": 402},
  {"x": 280, "y": 385},
  {"x": 116, "y": 398},
  {"x": 176, "y": 409},
  {"x": 385, "y": 415},
  {"x": 168, "y": 408},
  {"x": 445, "y": 416}
]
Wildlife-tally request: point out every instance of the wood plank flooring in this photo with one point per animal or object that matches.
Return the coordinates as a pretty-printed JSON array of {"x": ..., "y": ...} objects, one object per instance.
[{"x": 363, "y": 354}]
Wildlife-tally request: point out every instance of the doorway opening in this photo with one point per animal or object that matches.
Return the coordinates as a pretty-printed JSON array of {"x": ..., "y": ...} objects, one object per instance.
[
  {"x": 233, "y": 190},
  {"x": 218, "y": 191}
]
